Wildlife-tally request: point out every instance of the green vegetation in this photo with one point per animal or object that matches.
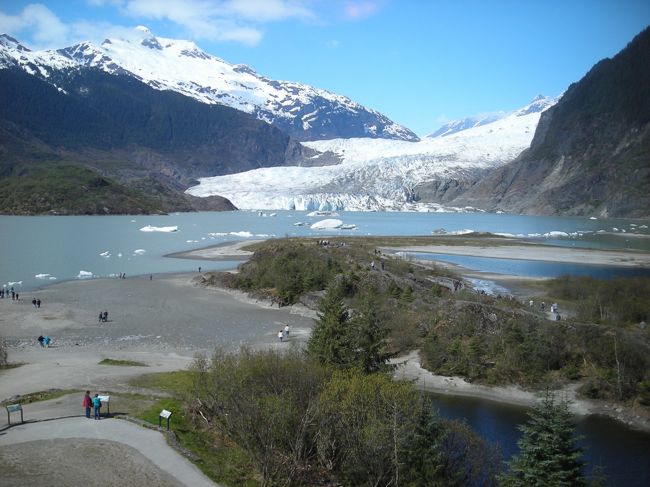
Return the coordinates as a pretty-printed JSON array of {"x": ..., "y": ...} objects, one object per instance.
[
  {"x": 68, "y": 189},
  {"x": 548, "y": 455},
  {"x": 126, "y": 363},
  {"x": 218, "y": 457},
  {"x": 305, "y": 424},
  {"x": 485, "y": 339}
]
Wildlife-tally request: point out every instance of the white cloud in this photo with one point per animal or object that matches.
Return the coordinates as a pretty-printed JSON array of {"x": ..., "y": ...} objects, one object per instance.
[
  {"x": 228, "y": 20},
  {"x": 39, "y": 22},
  {"x": 360, "y": 9},
  {"x": 215, "y": 20}
]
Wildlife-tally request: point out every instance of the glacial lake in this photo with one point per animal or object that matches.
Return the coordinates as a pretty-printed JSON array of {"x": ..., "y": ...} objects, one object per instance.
[
  {"x": 65, "y": 248},
  {"x": 59, "y": 248}
]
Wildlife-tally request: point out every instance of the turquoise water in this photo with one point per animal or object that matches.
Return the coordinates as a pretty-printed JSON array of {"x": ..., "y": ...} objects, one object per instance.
[
  {"x": 533, "y": 268},
  {"x": 61, "y": 247}
]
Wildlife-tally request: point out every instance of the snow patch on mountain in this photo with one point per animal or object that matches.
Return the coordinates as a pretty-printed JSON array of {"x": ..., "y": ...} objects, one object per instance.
[{"x": 377, "y": 174}]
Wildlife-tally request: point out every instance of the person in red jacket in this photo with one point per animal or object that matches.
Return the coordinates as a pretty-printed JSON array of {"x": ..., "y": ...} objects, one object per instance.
[{"x": 87, "y": 403}]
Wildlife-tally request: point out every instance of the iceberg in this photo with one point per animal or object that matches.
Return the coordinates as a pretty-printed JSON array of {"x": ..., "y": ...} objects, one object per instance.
[
  {"x": 555, "y": 233},
  {"x": 348, "y": 226},
  {"x": 42, "y": 276},
  {"x": 139, "y": 251},
  {"x": 84, "y": 275},
  {"x": 150, "y": 228},
  {"x": 323, "y": 213},
  {"x": 106, "y": 254},
  {"x": 327, "y": 224},
  {"x": 243, "y": 233}
]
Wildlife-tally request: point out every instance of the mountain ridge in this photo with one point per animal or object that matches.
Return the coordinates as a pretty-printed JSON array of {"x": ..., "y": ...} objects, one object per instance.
[{"x": 300, "y": 110}]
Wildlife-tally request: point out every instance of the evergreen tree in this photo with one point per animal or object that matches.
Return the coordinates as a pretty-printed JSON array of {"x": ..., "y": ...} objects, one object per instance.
[
  {"x": 330, "y": 341},
  {"x": 369, "y": 340},
  {"x": 548, "y": 453}
]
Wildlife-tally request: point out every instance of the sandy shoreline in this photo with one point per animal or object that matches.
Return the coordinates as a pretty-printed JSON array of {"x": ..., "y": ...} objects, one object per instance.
[
  {"x": 621, "y": 258},
  {"x": 222, "y": 251}
]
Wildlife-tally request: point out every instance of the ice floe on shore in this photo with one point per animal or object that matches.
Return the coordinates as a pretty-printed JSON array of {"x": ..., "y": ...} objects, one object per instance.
[
  {"x": 48, "y": 277},
  {"x": 151, "y": 228},
  {"x": 85, "y": 275}
]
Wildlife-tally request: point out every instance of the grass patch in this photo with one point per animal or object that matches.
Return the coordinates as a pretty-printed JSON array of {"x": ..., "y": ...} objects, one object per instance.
[
  {"x": 40, "y": 396},
  {"x": 177, "y": 383},
  {"x": 126, "y": 363},
  {"x": 11, "y": 366}
]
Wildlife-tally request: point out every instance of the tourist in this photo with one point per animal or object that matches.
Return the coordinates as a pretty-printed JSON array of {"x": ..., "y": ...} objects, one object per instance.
[
  {"x": 38, "y": 303},
  {"x": 97, "y": 404},
  {"x": 46, "y": 341},
  {"x": 286, "y": 331},
  {"x": 34, "y": 302},
  {"x": 87, "y": 403},
  {"x": 280, "y": 335},
  {"x": 105, "y": 316},
  {"x": 101, "y": 315},
  {"x": 40, "y": 339}
]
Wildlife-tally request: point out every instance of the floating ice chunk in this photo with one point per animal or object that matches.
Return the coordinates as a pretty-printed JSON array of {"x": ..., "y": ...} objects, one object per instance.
[
  {"x": 15, "y": 283},
  {"x": 52, "y": 278},
  {"x": 615, "y": 229},
  {"x": 191, "y": 241},
  {"x": 106, "y": 254},
  {"x": 510, "y": 235},
  {"x": 465, "y": 231},
  {"x": 264, "y": 235},
  {"x": 643, "y": 226},
  {"x": 593, "y": 218},
  {"x": 84, "y": 275},
  {"x": 243, "y": 233},
  {"x": 119, "y": 254},
  {"x": 273, "y": 214},
  {"x": 217, "y": 234},
  {"x": 348, "y": 226},
  {"x": 139, "y": 251},
  {"x": 327, "y": 224},
  {"x": 633, "y": 224},
  {"x": 42, "y": 276},
  {"x": 150, "y": 228},
  {"x": 300, "y": 224},
  {"x": 323, "y": 213},
  {"x": 600, "y": 231},
  {"x": 555, "y": 233}
]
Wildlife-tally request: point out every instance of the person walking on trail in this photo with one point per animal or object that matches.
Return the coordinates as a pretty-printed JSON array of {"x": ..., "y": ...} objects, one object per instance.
[
  {"x": 87, "y": 403},
  {"x": 41, "y": 338},
  {"x": 34, "y": 303},
  {"x": 97, "y": 404},
  {"x": 286, "y": 331},
  {"x": 280, "y": 335},
  {"x": 38, "y": 303}
]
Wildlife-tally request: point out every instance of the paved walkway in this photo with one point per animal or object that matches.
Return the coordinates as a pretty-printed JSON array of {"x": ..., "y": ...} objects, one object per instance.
[{"x": 63, "y": 418}]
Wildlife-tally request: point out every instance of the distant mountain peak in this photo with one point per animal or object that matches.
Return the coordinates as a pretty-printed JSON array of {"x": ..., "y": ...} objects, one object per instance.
[{"x": 538, "y": 104}]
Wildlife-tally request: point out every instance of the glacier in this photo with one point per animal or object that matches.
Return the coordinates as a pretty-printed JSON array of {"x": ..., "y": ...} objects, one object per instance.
[{"x": 380, "y": 174}]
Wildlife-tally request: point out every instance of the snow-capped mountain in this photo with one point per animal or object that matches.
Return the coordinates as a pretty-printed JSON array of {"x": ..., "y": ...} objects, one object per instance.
[
  {"x": 538, "y": 104},
  {"x": 302, "y": 111},
  {"x": 378, "y": 174}
]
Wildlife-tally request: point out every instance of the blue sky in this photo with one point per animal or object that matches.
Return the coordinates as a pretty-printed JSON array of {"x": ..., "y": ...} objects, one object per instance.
[{"x": 420, "y": 62}]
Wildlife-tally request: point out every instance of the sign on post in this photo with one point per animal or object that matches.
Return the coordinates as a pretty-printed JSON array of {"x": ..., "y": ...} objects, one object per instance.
[
  {"x": 164, "y": 414},
  {"x": 14, "y": 408},
  {"x": 106, "y": 400}
]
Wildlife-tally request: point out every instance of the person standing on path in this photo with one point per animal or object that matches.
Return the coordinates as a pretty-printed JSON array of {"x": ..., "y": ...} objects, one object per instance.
[
  {"x": 97, "y": 404},
  {"x": 34, "y": 302},
  {"x": 286, "y": 331},
  {"x": 38, "y": 303},
  {"x": 87, "y": 403},
  {"x": 280, "y": 335}
]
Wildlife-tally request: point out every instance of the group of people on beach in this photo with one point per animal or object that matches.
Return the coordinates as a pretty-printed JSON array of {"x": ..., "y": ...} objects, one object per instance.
[
  {"x": 36, "y": 303},
  {"x": 283, "y": 334},
  {"x": 44, "y": 341},
  {"x": 103, "y": 316},
  {"x": 94, "y": 402},
  {"x": 6, "y": 292}
]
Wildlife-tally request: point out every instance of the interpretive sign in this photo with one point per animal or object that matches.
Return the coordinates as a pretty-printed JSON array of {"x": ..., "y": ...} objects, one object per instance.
[
  {"x": 164, "y": 414},
  {"x": 106, "y": 400},
  {"x": 14, "y": 408}
]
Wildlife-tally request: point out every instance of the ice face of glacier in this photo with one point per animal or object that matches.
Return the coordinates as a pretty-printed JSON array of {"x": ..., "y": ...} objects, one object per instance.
[{"x": 377, "y": 174}]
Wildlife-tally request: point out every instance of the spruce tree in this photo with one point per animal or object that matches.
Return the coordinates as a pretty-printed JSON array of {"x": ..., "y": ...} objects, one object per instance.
[
  {"x": 369, "y": 339},
  {"x": 548, "y": 454},
  {"x": 330, "y": 341}
]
